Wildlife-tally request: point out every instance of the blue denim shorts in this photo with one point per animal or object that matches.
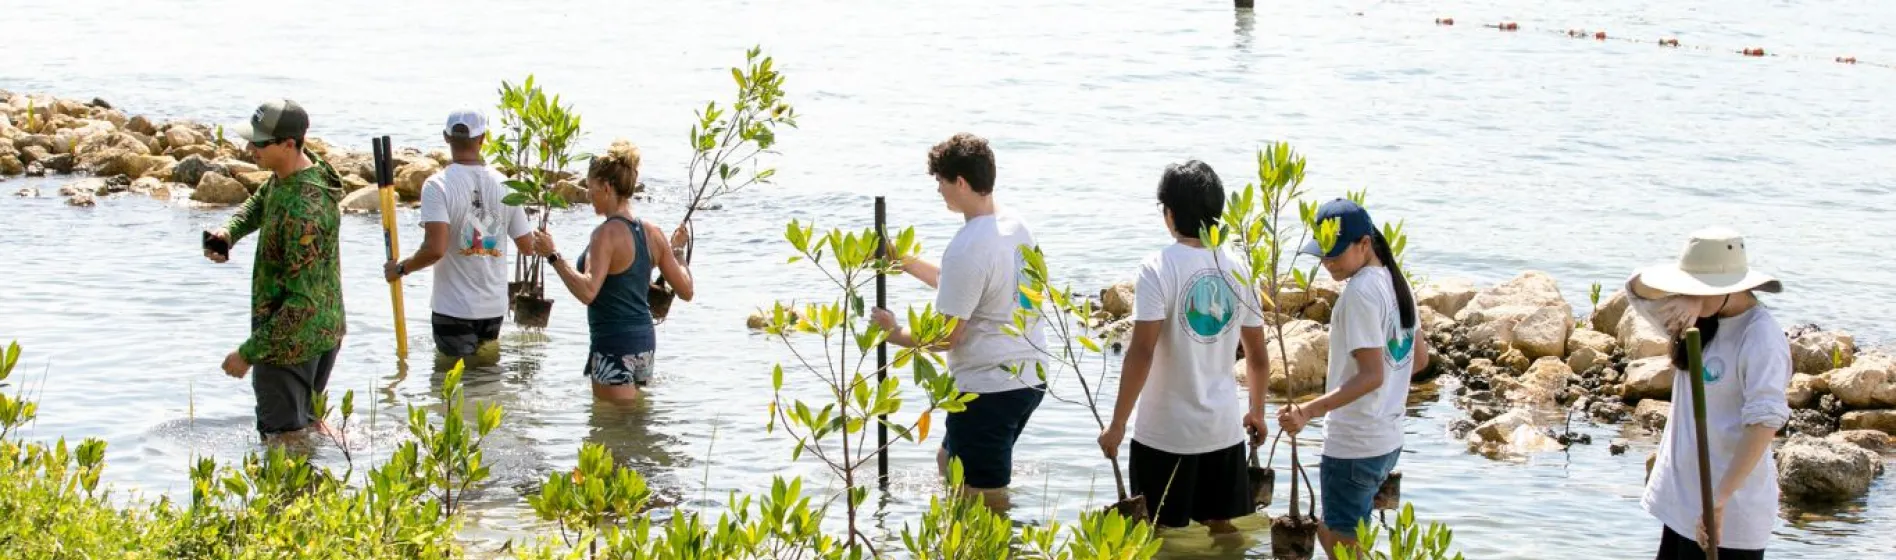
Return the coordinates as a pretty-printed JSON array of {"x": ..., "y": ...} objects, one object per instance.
[{"x": 1349, "y": 487}]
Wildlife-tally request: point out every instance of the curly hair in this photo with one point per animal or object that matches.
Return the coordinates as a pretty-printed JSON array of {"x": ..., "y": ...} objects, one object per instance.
[
  {"x": 964, "y": 156},
  {"x": 618, "y": 168}
]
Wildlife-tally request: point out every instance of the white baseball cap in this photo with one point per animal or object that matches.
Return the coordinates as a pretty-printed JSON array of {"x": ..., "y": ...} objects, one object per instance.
[{"x": 475, "y": 122}]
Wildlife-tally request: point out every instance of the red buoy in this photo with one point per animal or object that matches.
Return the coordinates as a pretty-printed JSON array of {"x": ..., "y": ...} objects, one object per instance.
[
  {"x": 1847, "y": 59},
  {"x": 1599, "y": 36},
  {"x": 1754, "y": 52},
  {"x": 1445, "y": 21}
]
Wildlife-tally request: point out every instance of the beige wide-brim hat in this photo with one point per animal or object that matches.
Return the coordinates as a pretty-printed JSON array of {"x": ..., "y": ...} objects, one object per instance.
[{"x": 1712, "y": 264}]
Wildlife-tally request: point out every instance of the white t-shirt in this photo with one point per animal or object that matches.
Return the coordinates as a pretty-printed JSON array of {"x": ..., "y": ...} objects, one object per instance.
[
  {"x": 1190, "y": 403},
  {"x": 1366, "y": 317},
  {"x": 1747, "y": 368},
  {"x": 470, "y": 281},
  {"x": 980, "y": 284}
]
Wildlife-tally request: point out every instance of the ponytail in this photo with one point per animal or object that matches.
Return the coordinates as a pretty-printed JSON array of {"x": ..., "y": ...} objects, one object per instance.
[{"x": 1405, "y": 301}]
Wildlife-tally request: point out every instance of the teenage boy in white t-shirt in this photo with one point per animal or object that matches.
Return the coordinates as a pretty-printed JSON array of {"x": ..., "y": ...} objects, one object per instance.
[
  {"x": 978, "y": 283},
  {"x": 1189, "y": 316},
  {"x": 463, "y": 203}
]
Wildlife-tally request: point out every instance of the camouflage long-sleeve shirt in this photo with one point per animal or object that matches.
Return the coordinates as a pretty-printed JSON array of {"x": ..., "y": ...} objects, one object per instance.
[{"x": 296, "y": 286}]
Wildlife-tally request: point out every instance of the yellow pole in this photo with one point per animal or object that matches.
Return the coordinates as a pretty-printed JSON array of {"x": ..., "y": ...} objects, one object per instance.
[{"x": 386, "y": 194}]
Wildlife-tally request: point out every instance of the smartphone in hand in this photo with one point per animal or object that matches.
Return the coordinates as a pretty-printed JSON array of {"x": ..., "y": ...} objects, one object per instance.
[{"x": 216, "y": 244}]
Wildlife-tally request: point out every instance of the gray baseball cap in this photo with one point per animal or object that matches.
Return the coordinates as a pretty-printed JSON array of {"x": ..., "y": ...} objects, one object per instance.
[{"x": 275, "y": 120}]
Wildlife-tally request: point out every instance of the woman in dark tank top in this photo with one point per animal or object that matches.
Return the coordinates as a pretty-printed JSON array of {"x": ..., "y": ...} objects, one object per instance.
[{"x": 613, "y": 274}]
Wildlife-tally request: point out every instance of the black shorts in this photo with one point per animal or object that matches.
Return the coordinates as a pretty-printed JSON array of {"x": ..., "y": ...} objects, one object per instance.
[
  {"x": 1178, "y": 489},
  {"x": 283, "y": 392},
  {"x": 983, "y": 436},
  {"x": 1674, "y": 546},
  {"x": 459, "y": 338}
]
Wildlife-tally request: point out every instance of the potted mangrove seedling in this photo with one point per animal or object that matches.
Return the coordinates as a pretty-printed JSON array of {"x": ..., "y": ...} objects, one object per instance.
[
  {"x": 533, "y": 148},
  {"x": 725, "y": 141}
]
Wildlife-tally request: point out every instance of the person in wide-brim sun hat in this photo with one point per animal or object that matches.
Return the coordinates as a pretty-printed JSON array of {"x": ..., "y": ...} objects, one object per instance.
[{"x": 1746, "y": 368}]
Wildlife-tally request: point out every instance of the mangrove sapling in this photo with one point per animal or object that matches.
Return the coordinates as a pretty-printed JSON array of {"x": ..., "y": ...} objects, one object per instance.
[
  {"x": 1406, "y": 541},
  {"x": 533, "y": 147},
  {"x": 1038, "y": 295},
  {"x": 852, "y": 400},
  {"x": 724, "y": 141}
]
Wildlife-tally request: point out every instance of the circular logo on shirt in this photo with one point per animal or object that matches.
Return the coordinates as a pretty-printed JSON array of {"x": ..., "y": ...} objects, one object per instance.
[
  {"x": 1208, "y": 306},
  {"x": 1713, "y": 370}
]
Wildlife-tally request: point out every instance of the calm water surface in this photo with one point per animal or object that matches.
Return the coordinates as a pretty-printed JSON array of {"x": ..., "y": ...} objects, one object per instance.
[{"x": 1502, "y": 152}]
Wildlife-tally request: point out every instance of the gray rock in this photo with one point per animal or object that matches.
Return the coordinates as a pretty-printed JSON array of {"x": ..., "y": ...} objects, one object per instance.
[{"x": 1820, "y": 470}]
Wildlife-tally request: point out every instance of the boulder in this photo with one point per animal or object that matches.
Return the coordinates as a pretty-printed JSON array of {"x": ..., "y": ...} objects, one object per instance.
[
  {"x": 1802, "y": 392},
  {"x": 1868, "y": 383},
  {"x": 59, "y": 163},
  {"x": 440, "y": 158},
  {"x": 28, "y": 192},
  {"x": 253, "y": 179},
  {"x": 35, "y": 170},
  {"x": 1116, "y": 299},
  {"x": 361, "y": 200},
  {"x": 1541, "y": 385},
  {"x": 138, "y": 166},
  {"x": 145, "y": 185},
  {"x": 1447, "y": 295},
  {"x": 180, "y": 136},
  {"x": 1307, "y": 345},
  {"x": 114, "y": 116},
  {"x": 1650, "y": 378},
  {"x": 82, "y": 200},
  {"x": 1500, "y": 428},
  {"x": 408, "y": 178},
  {"x": 71, "y": 108},
  {"x": 1531, "y": 290},
  {"x": 94, "y": 151},
  {"x": 1515, "y": 361},
  {"x": 167, "y": 190},
  {"x": 89, "y": 185},
  {"x": 45, "y": 143},
  {"x": 573, "y": 193},
  {"x": 234, "y": 167},
  {"x": 1653, "y": 414},
  {"x": 1585, "y": 359},
  {"x": 1599, "y": 342},
  {"x": 215, "y": 188},
  {"x": 200, "y": 150},
  {"x": 1821, "y": 470},
  {"x": 1641, "y": 338},
  {"x": 1870, "y": 440},
  {"x": 1879, "y": 420},
  {"x": 31, "y": 154},
  {"x": 1543, "y": 333},
  {"x": 190, "y": 169},
  {"x": 351, "y": 183},
  {"x": 1810, "y": 422},
  {"x": 1818, "y": 352},
  {"x": 353, "y": 164},
  {"x": 141, "y": 125},
  {"x": 10, "y": 165}
]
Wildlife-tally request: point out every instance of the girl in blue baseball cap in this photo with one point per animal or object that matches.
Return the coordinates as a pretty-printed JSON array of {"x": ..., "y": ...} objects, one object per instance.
[{"x": 1375, "y": 346}]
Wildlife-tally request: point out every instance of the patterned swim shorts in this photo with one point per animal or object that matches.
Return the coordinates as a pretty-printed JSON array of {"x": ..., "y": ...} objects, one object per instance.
[{"x": 614, "y": 369}]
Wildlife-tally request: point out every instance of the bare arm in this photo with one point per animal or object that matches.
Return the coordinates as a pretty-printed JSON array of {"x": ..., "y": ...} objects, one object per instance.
[
  {"x": 1369, "y": 377},
  {"x": 676, "y": 273},
  {"x": 1421, "y": 354},
  {"x": 524, "y": 244},
  {"x": 1257, "y": 366},
  {"x": 1135, "y": 370},
  {"x": 1751, "y": 448},
  {"x": 585, "y": 285},
  {"x": 929, "y": 273},
  {"x": 434, "y": 245},
  {"x": 900, "y": 336}
]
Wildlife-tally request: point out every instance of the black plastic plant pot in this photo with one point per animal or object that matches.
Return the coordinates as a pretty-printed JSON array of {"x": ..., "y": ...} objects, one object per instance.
[
  {"x": 1293, "y": 538},
  {"x": 660, "y": 297},
  {"x": 1263, "y": 483},
  {"x": 531, "y": 311},
  {"x": 1389, "y": 496},
  {"x": 1133, "y": 508}
]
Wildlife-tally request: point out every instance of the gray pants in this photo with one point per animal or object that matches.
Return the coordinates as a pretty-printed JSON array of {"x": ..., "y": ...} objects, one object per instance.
[{"x": 283, "y": 392}]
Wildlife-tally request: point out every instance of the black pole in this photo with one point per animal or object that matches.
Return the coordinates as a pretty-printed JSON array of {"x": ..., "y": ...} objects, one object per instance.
[{"x": 882, "y": 350}]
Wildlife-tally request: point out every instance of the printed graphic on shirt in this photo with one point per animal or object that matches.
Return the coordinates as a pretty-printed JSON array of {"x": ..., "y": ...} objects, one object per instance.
[
  {"x": 1208, "y": 306},
  {"x": 1398, "y": 342},
  {"x": 474, "y": 241},
  {"x": 1020, "y": 293},
  {"x": 1713, "y": 370}
]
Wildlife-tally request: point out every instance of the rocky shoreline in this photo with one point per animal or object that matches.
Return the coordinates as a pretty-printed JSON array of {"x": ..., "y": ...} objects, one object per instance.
[
  {"x": 110, "y": 154},
  {"x": 1523, "y": 366}
]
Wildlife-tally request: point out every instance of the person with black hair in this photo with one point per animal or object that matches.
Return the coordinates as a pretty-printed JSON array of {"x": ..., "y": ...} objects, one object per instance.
[
  {"x": 978, "y": 283},
  {"x": 1190, "y": 314},
  {"x": 1375, "y": 346},
  {"x": 1746, "y": 366}
]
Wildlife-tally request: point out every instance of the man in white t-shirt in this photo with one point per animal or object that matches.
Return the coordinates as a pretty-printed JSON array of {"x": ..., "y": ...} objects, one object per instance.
[
  {"x": 978, "y": 283},
  {"x": 1189, "y": 314},
  {"x": 465, "y": 219}
]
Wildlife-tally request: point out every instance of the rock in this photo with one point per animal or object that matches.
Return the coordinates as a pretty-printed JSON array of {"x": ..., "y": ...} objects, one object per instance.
[
  {"x": 215, "y": 188},
  {"x": 1542, "y": 384},
  {"x": 1434, "y": 322},
  {"x": 408, "y": 178},
  {"x": 11, "y": 165},
  {"x": 94, "y": 151},
  {"x": 233, "y": 167},
  {"x": 1117, "y": 299},
  {"x": 1116, "y": 332},
  {"x": 573, "y": 193},
  {"x": 190, "y": 169},
  {"x": 1543, "y": 333},
  {"x": 1600, "y": 343},
  {"x": 1585, "y": 359},
  {"x": 1500, "y": 428},
  {"x": 1801, "y": 394},
  {"x": 1532, "y": 289},
  {"x": 100, "y": 103},
  {"x": 1607, "y": 411},
  {"x": 1460, "y": 428},
  {"x": 351, "y": 183},
  {"x": 1868, "y": 383},
  {"x": 28, "y": 192},
  {"x": 1515, "y": 360},
  {"x": 89, "y": 185},
  {"x": 141, "y": 125},
  {"x": 1617, "y": 447},
  {"x": 440, "y": 158},
  {"x": 1818, "y": 352},
  {"x": 167, "y": 190},
  {"x": 356, "y": 164},
  {"x": 1447, "y": 295},
  {"x": 180, "y": 136},
  {"x": 1821, "y": 470},
  {"x": 71, "y": 108},
  {"x": 1811, "y": 423},
  {"x": 145, "y": 185},
  {"x": 253, "y": 179},
  {"x": 1484, "y": 412},
  {"x": 30, "y": 154},
  {"x": 83, "y": 200},
  {"x": 1879, "y": 420},
  {"x": 114, "y": 116},
  {"x": 1641, "y": 338},
  {"x": 1650, "y": 378},
  {"x": 362, "y": 200},
  {"x": 1307, "y": 345},
  {"x": 143, "y": 166},
  {"x": 1870, "y": 440},
  {"x": 1653, "y": 414},
  {"x": 59, "y": 163},
  {"x": 200, "y": 150}
]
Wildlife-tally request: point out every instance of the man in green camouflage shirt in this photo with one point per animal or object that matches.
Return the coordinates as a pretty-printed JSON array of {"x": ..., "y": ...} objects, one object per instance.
[{"x": 296, "y": 321}]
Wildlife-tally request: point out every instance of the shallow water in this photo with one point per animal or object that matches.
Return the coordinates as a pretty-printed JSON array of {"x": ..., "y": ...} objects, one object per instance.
[{"x": 1501, "y": 152}]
